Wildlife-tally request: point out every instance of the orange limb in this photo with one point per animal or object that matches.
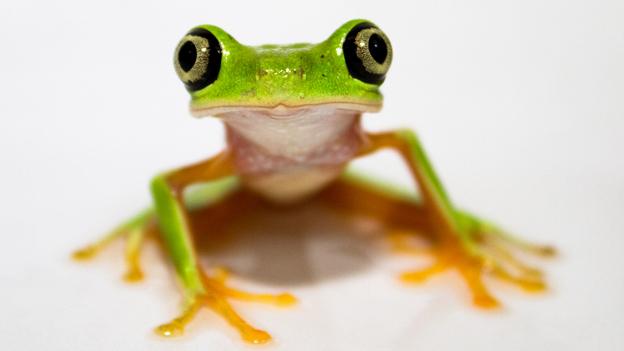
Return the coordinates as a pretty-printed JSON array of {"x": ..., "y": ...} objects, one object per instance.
[
  {"x": 411, "y": 217},
  {"x": 358, "y": 199},
  {"x": 460, "y": 241},
  {"x": 134, "y": 231}
]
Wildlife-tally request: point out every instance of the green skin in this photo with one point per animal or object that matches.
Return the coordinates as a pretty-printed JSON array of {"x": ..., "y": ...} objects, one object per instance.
[
  {"x": 290, "y": 75},
  {"x": 294, "y": 75}
]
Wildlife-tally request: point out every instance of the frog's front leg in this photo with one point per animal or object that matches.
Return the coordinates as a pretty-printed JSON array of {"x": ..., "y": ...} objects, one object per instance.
[
  {"x": 200, "y": 289},
  {"x": 174, "y": 217},
  {"x": 465, "y": 242}
]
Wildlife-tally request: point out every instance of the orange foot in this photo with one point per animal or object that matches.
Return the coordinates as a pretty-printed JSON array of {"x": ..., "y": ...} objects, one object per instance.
[
  {"x": 134, "y": 232},
  {"x": 216, "y": 298},
  {"x": 487, "y": 250}
]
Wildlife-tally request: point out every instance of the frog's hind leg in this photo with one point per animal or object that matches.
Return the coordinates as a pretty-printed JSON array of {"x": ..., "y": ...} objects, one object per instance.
[
  {"x": 405, "y": 215},
  {"x": 134, "y": 231},
  {"x": 399, "y": 211},
  {"x": 499, "y": 237}
]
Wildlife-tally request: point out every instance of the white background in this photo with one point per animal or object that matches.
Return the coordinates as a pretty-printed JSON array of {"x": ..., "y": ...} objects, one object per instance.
[{"x": 520, "y": 104}]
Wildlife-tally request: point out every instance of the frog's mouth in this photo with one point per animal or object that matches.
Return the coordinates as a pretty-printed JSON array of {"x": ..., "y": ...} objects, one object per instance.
[{"x": 281, "y": 110}]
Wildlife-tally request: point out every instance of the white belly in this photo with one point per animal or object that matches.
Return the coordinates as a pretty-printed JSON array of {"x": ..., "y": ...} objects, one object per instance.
[{"x": 292, "y": 185}]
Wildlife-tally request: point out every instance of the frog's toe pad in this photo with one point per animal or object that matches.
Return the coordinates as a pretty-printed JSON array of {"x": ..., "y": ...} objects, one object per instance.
[
  {"x": 85, "y": 253},
  {"x": 133, "y": 275},
  {"x": 171, "y": 329}
]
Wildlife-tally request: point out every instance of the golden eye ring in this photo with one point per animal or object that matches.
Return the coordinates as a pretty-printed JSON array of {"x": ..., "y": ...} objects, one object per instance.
[
  {"x": 368, "y": 53},
  {"x": 197, "y": 59}
]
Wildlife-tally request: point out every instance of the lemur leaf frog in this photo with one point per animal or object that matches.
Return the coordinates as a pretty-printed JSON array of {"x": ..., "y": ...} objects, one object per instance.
[{"x": 292, "y": 118}]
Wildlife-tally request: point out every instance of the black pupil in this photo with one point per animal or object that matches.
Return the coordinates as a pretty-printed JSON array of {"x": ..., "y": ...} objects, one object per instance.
[
  {"x": 377, "y": 48},
  {"x": 187, "y": 56}
]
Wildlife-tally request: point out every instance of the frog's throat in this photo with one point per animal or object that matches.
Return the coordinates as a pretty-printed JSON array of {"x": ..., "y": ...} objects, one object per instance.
[
  {"x": 283, "y": 110},
  {"x": 290, "y": 153}
]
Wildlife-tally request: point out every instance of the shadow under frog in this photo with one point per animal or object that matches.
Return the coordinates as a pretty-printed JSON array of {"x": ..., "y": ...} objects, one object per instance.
[{"x": 319, "y": 239}]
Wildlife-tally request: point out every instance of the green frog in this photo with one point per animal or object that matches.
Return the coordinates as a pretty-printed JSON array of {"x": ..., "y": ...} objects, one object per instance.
[{"x": 292, "y": 119}]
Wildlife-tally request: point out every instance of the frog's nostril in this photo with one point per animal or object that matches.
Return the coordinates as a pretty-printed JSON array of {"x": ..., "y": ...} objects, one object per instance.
[
  {"x": 261, "y": 73},
  {"x": 301, "y": 72}
]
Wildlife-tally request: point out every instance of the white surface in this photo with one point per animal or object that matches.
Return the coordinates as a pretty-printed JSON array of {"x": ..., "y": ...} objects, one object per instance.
[{"x": 520, "y": 105}]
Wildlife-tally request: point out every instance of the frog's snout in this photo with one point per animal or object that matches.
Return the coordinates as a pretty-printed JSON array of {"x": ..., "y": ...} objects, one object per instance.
[
  {"x": 281, "y": 80},
  {"x": 271, "y": 74}
]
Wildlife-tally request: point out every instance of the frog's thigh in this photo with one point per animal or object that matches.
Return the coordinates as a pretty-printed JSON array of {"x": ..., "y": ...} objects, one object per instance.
[
  {"x": 396, "y": 209},
  {"x": 215, "y": 216}
]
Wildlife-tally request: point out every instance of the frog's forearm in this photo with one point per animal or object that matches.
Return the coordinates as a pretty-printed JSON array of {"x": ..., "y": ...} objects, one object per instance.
[
  {"x": 167, "y": 191},
  {"x": 175, "y": 231},
  {"x": 410, "y": 149}
]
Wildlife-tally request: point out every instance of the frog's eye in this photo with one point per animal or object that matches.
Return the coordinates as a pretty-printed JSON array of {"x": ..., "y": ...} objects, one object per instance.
[
  {"x": 198, "y": 59},
  {"x": 367, "y": 53}
]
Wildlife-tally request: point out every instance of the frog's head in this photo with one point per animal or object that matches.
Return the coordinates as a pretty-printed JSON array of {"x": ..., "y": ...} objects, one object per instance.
[{"x": 343, "y": 72}]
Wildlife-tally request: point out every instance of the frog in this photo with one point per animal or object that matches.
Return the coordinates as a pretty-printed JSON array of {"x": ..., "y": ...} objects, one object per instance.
[{"x": 292, "y": 120}]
